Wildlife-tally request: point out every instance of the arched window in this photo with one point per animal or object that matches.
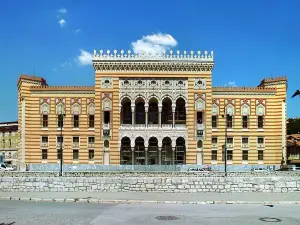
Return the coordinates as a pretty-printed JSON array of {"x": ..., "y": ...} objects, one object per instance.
[
  {"x": 106, "y": 144},
  {"x": 245, "y": 115},
  {"x": 199, "y": 144}
]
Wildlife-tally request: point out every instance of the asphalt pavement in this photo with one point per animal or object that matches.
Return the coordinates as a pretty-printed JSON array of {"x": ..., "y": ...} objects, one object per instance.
[{"x": 36, "y": 213}]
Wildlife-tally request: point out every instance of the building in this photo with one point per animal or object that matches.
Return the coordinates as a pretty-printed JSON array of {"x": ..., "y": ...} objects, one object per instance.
[
  {"x": 9, "y": 142},
  {"x": 152, "y": 109},
  {"x": 293, "y": 149}
]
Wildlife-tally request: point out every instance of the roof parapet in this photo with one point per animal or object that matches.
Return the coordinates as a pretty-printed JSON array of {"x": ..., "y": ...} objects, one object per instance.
[
  {"x": 244, "y": 89},
  {"x": 172, "y": 55}
]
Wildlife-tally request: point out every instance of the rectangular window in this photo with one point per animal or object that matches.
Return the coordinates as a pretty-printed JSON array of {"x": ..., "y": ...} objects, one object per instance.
[
  {"x": 76, "y": 140},
  {"x": 260, "y": 122},
  {"x": 245, "y": 140},
  {"x": 199, "y": 118},
  {"x": 58, "y": 139},
  {"x": 9, "y": 142},
  {"x": 45, "y": 121},
  {"x": 230, "y": 140},
  {"x": 44, "y": 154},
  {"x": 91, "y": 121},
  {"x": 60, "y": 121},
  {"x": 260, "y": 140},
  {"x": 58, "y": 154},
  {"x": 229, "y": 121},
  {"x": 245, "y": 122},
  {"x": 229, "y": 155},
  {"x": 214, "y": 155},
  {"x": 214, "y": 140},
  {"x": 44, "y": 139},
  {"x": 91, "y": 154},
  {"x": 76, "y": 121},
  {"x": 106, "y": 117},
  {"x": 260, "y": 155},
  {"x": 91, "y": 140},
  {"x": 245, "y": 155},
  {"x": 75, "y": 154},
  {"x": 214, "y": 121}
]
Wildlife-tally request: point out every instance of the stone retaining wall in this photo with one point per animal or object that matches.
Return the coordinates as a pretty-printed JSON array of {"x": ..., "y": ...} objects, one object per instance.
[{"x": 153, "y": 182}]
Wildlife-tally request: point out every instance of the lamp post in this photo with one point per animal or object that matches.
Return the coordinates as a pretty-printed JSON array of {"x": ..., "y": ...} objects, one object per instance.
[{"x": 61, "y": 121}]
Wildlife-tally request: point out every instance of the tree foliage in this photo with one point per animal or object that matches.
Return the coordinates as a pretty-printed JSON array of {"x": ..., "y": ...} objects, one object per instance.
[{"x": 293, "y": 126}]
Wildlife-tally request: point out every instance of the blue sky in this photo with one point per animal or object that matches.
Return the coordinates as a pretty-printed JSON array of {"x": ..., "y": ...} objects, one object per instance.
[{"x": 251, "y": 39}]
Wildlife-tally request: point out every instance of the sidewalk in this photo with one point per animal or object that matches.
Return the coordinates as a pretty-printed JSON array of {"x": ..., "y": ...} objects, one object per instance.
[{"x": 164, "y": 198}]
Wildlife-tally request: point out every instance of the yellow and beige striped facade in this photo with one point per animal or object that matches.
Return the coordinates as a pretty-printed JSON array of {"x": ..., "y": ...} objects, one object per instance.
[{"x": 152, "y": 109}]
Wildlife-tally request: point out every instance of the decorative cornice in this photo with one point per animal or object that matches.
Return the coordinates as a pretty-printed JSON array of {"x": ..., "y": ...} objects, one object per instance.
[
  {"x": 39, "y": 80},
  {"x": 173, "y": 56},
  {"x": 62, "y": 88},
  {"x": 177, "y": 62},
  {"x": 243, "y": 89}
]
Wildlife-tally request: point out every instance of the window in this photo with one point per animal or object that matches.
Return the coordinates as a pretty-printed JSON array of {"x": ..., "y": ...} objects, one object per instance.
[
  {"x": 245, "y": 140},
  {"x": 45, "y": 121},
  {"x": 214, "y": 140},
  {"x": 76, "y": 121},
  {"x": 60, "y": 121},
  {"x": 199, "y": 144},
  {"x": 214, "y": 155},
  {"x": 260, "y": 140},
  {"x": 260, "y": 155},
  {"x": 75, "y": 140},
  {"x": 229, "y": 121},
  {"x": 245, "y": 122},
  {"x": 199, "y": 117},
  {"x": 91, "y": 140},
  {"x": 60, "y": 138},
  {"x": 58, "y": 154},
  {"x": 91, "y": 154},
  {"x": 44, "y": 139},
  {"x": 75, "y": 154},
  {"x": 260, "y": 122},
  {"x": 214, "y": 121},
  {"x": 9, "y": 142},
  {"x": 229, "y": 140},
  {"x": 245, "y": 156},
  {"x": 229, "y": 155},
  {"x": 106, "y": 144},
  {"x": 91, "y": 121},
  {"x": 106, "y": 117},
  {"x": 44, "y": 154}
]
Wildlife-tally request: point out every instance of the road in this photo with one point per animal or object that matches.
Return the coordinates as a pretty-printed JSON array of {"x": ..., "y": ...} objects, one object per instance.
[{"x": 33, "y": 213}]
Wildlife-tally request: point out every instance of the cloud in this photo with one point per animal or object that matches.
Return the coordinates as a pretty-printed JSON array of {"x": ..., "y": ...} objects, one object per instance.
[
  {"x": 66, "y": 64},
  {"x": 230, "y": 84},
  {"x": 62, "y": 22},
  {"x": 154, "y": 44},
  {"x": 85, "y": 58},
  {"x": 62, "y": 11},
  {"x": 78, "y": 31}
]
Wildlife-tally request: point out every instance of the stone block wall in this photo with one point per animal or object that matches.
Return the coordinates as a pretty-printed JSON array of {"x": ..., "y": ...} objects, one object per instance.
[{"x": 151, "y": 182}]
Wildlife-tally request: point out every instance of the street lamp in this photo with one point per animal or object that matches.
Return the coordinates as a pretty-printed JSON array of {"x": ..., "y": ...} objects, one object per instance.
[{"x": 61, "y": 122}]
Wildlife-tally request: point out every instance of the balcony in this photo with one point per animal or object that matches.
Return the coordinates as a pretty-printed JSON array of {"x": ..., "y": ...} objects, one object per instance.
[
  {"x": 200, "y": 126},
  {"x": 153, "y": 126},
  {"x": 106, "y": 126},
  {"x": 214, "y": 145},
  {"x": 260, "y": 145},
  {"x": 91, "y": 144},
  {"x": 44, "y": 144},
  {"x": 167, "y": 126},
  {"x": 229, "y": 145},
  {"x": 294, "y": 157},
  {"x": 245, "y": 145},
  {"x": 58, "y": 145}
]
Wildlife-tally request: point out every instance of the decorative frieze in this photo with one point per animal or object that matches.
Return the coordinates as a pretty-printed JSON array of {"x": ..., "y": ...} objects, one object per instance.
[
  {"x": 200, "y": 83},
  {"x": 106, "y": 82}
]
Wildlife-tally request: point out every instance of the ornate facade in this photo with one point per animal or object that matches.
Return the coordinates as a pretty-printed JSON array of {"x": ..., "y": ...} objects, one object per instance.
[
  {"x": 152, "y": 110},
  {"x": 9, "y": 140}
]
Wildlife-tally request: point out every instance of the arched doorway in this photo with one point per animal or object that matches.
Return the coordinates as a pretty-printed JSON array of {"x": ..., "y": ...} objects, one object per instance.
[
  {"x": 139, "y": 111},
  {"x": 180, "y": 151},
  {"x": 153, "y": 111},
  {"x": 153, "y": 151},
  {"x": 167, "y": 157},
  {"x": 126, "y": 114},
  {"x": 166, "y": 114},
  {"x": 126, "y": 152},
  {"x": 139, "y": 151},
  {"x": 180, "y": 111}
]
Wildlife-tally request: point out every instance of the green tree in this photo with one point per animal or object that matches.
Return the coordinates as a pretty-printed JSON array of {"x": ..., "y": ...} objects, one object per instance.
[{"x": 293, "y": 126}]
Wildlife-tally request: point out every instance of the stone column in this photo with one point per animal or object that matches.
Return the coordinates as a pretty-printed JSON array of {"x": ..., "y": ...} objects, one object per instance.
[
  {"x": 133, "y": 112},
  {"x": 132, "y": 151},
  {"x": 173, "y": 113},
  {"x": 173, "y": 155},
  {"x": 159, "y": 152},
  {"x": 159, "y": 115},
  {"x": 146, "y": 115},
  {"x": 146, "y": 156}
]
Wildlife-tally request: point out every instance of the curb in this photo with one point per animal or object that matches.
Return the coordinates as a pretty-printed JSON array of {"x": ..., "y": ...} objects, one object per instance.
[{"x": 101, "y": 201}]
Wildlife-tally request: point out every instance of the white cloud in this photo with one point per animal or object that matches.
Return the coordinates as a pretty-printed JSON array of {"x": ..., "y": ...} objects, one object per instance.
[
  {"x": 66, "y": 64},
  {"x": 152, "y": 44},
  {"x": 85, "y": 58},
  {"x": 230, "y": 84},
  {"x": 78, "y": 31},
  {"x": 62, "y": 11},
  {"x": 62, "y": 22}
]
